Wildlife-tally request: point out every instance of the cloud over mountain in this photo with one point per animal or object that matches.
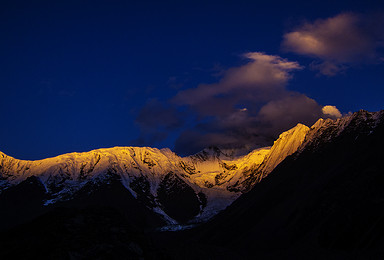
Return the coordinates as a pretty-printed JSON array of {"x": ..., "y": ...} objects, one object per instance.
[
  {"x": 156, "y": 119},
  {"x": 331, "y": 111},
  {"x": 247, "y": 108}
]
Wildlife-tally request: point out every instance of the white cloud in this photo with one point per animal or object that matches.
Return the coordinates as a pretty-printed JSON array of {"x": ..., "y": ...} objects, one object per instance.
[{"x": 331, "y": 111}]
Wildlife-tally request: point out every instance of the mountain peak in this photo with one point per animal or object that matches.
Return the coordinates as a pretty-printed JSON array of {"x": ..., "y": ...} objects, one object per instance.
[
  {"x": 299, "y": 129},
  {"x": 325, "y": 131},
  {"x": 318, "y": 123},
  {"x": 287, "y": 144}
]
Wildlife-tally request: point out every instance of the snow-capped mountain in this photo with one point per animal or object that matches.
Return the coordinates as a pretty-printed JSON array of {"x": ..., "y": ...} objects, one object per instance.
[
  {"x": 317, "y": 192},
  {"x": 180, "y": 189}
]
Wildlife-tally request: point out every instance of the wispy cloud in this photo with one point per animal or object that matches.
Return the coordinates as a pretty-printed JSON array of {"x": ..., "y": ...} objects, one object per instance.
[
  {"x": 338, "y": 42},
  {"x": 156, "y": 120}
]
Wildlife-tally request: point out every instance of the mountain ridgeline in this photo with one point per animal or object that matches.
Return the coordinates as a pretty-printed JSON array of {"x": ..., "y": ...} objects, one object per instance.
[
  {"x": 317, "y": 192},
  {"x": 178, "y": 190}
]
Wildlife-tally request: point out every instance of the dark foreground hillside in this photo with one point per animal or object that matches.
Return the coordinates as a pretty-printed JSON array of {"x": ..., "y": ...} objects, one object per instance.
[{"x": 108, "y": 223}]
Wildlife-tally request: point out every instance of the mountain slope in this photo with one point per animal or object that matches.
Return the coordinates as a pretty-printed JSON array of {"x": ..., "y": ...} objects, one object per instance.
[{"x": 180, "y": 189}]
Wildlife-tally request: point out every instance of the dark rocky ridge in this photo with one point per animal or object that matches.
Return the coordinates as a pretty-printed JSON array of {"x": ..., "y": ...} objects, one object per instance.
[{"x": 179, "y": 200}]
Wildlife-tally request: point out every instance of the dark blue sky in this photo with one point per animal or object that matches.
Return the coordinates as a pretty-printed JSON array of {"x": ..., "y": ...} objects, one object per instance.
[{"x": 81, "y": 75}]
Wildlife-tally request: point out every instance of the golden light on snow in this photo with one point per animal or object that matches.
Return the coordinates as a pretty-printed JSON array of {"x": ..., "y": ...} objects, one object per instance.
[{"x": 208, "y": 172}]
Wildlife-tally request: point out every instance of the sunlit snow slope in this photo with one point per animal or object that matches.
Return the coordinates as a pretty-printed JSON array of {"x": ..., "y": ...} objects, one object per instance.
[{"x": 206, "y": 182}]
